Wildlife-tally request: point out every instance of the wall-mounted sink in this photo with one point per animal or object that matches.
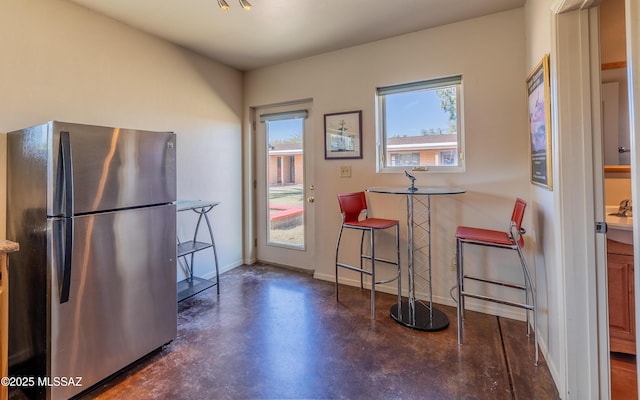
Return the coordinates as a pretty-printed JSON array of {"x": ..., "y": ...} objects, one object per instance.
[{"x": 619, "y": 229}]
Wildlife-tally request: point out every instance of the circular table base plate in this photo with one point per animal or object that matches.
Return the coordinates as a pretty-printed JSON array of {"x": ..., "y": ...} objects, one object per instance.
[{"x": 422, "y": 320}]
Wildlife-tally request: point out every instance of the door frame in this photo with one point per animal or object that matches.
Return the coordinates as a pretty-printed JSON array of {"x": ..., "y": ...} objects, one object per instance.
[
  {"x": 283, "y": 255},
  {"x": 577, "y": 201},
  {"x": 582, "y": 256},
  {"x": 632, "y": 12}
]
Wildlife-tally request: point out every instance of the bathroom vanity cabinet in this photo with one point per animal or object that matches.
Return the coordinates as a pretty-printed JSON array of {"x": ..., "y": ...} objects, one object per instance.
[{"x": 622, "y": 335}]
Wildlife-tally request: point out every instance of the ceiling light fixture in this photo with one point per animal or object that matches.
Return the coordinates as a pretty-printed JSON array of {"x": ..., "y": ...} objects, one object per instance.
[{"x": 225, "y": 6}]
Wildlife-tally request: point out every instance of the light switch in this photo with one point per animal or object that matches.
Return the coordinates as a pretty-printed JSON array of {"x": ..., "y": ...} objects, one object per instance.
[{"x": 345, "y": 171}]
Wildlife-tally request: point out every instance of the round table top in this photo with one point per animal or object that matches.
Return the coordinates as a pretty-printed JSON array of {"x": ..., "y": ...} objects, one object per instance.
[{"x": 426, "y": 190}]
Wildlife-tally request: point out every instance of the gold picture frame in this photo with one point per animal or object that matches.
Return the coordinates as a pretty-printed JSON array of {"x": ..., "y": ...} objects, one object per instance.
[{"x": 539, "y": 111}]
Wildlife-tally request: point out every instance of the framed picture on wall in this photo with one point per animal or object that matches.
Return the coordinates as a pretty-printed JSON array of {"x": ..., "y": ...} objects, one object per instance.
[
  {"x": 343, "y": 135},
  {"x": 538, "y": 100}
]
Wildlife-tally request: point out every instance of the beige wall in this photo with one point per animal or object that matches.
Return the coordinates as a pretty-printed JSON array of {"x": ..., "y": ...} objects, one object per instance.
[
  {"x": 565, "y": 265},
  {"x": 612, "y": 33},
  {"x": 63, "y": 62},
  {"x": 616, "y": 189},
  {"x": 489, "y": 52},
  {"x": 542, "y": 206},
  {"x": 612, "y": 50}
]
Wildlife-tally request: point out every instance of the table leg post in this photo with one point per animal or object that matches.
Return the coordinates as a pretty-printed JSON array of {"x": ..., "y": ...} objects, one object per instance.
[
  {"x": 215, "y": 252},
  {"x": 410, "y": 262},
  {"x": 419, "y": 315},
  {"x": 429, "y": 256}
]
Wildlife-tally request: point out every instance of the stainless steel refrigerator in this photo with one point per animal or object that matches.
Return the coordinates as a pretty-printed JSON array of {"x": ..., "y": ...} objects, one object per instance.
[{"x": 93, "y": 287}]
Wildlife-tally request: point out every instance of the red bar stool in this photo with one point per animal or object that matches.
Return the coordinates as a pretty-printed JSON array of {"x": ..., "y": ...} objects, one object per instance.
[
  {"x": 511, "y": 240},
  {"x": 352, "y": 205}
]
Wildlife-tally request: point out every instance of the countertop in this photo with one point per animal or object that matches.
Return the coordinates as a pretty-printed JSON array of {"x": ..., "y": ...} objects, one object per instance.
[
  {"x": 7, "y": 246},
  {"x": 619, "y": 229},
  {"x": 614, "y": 222}
]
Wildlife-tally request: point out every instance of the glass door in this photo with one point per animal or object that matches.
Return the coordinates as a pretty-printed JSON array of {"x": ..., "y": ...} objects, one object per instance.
[{"x": 284, "y": 189}]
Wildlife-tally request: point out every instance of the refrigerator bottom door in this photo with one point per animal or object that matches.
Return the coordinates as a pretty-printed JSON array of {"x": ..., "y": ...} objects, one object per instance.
[{"x": 121, "y": 294}]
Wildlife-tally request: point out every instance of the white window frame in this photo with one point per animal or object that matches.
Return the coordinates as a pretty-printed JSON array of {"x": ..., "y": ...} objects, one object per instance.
[{"x": 381, "y": 146}]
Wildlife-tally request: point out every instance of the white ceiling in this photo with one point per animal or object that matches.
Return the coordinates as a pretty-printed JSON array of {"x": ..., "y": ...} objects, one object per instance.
[{"x": 275, "y": 31}]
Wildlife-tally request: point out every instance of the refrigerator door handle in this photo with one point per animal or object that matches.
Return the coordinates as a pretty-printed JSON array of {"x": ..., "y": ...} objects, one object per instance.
[
  {"x": 63, "y": 242},
  {"x": 68, "y": 252},
  {"x": 67, "y": 173}
]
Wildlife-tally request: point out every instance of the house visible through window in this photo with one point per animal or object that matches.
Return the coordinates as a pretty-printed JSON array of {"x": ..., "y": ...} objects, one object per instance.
[
  {"x": 404, "y": 159},
  {"x": 449, "y": 157},
  {"x": 420, "y": 126}
]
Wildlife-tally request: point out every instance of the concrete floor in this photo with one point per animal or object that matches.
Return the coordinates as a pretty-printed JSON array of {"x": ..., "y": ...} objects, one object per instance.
[{"x": 273, "y": 333}]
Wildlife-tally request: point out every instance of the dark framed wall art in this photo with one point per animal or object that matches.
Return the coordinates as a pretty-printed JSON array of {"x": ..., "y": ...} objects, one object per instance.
[
  {"x": 538, "y": 100},
  {"x": 343, "y": 135}
]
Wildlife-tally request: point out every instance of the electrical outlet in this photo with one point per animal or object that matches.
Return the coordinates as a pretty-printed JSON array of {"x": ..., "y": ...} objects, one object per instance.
[
  {"x": 345, "y": 171},
  {"x": 454, "y": 263}
]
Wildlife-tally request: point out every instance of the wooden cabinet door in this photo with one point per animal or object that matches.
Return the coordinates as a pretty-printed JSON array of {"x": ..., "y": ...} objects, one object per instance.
[{"x": 621, "y": 303}]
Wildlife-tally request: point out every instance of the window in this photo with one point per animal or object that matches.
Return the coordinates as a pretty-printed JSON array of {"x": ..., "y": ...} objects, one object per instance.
[
  {"x": 404, "y": 159},
  {"x": 420, "y": 126},
  {"x": 449, "y": 157}
]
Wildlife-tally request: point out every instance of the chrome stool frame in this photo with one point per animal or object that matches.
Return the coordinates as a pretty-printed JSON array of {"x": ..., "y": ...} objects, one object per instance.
[
  {"x": 352, "y": 206},
  {"x": 511, "y": 240}
]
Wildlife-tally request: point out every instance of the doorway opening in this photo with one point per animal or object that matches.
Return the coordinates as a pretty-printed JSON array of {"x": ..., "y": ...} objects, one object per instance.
[
  {"x": 618, "y": 200},
  {"x": 284, "y": 184}
]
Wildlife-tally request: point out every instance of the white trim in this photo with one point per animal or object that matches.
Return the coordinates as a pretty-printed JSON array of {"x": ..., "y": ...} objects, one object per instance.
[
  {"x": 574, "y": 205},
  {"x": 382, "y": 146},
  {"x": 421, "y": 85},
  {"x": 249, "y": 201},
  {"x": 561, "y": 6},
  {"x": 264, "y": 250},
  {"x": 599, "y": 206},
  {"x": 632, "y": 12},
  {"x": 280, "y": 116},
  {"x": 422, "y": 146},
  {"x": 284, "y": 152}
]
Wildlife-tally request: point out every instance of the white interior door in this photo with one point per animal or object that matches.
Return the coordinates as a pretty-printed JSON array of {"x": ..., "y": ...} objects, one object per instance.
[
  {"x": 632, "y": 15},
  {"x": 284, "y": 185}
]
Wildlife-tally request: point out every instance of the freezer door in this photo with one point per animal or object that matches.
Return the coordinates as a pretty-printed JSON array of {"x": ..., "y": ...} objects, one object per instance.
[
  {"x": 97, "y": 168},
  {"x": 120, "y": 296}
]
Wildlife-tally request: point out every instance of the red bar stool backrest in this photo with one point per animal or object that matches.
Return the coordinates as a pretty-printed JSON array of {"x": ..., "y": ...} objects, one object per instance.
[
  {"x": 516, "y": 219},
  {"x": 351, "y": 205}
]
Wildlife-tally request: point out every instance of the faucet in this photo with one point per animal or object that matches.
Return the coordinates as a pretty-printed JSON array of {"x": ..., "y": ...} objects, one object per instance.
[
  {"x": 625, "y": 208},
  {"x": 413, "y": 187}
]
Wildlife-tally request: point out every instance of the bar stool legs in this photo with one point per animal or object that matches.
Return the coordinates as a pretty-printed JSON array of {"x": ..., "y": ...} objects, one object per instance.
[
  {"x": 352, "y": 205},
  {"x": 511, "y": 240}
]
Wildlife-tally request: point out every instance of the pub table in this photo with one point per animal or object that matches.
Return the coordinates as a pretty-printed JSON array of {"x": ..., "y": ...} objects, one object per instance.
[{"x": 415, "y": 313}]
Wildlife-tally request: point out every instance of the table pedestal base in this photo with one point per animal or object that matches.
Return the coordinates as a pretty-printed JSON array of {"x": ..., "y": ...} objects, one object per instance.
[{"x": 422, "y": 320}]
